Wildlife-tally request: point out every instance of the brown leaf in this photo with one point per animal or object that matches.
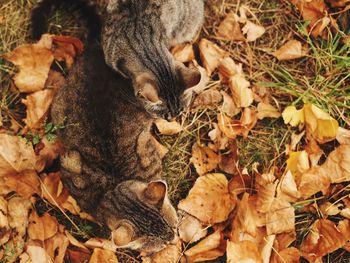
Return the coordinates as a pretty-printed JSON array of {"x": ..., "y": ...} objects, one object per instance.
[
  {"x": 343, "y": 136},
  {"x": 290, "y": 255},
  {"x": 42, "y": 228},
  {"x": 18, "y": 209},
  {"x": 55, "y": 80},
  {"x": 229, "y": 158},
  {"x": 77, "y": 255},
  {"x": 280, "y": 218},
  {"x": 4, "y": 222},
  {"x": 168, "y": 128},
  {"x": 337, "y": 165},
  {"x": 212, "y": 247},
  {"x": 204, "y": 159},
  {"x": 210, "y": 97},
  {"x": 291, "y": 50},
  {"x": 33, "y": 62},
  {"x": 53, "y": 190},
  {"x": 229, "y": 28},
  {"x": 313, "y": 181},
  {"x": 183, "y": 53},
  {"x": 210, "y": 54},
  {"x": 228, "y": 106},
  {"x": 244, "y": 251},
  {"x": 170, "y": 254},
  {"x": 287, "y": 188},
  {"x": 25, "y": 183},
  {"x": 65, "y": 48},
  {"x": 228, "y": 68},
  {"x": 48, "y": 153},
  {"x": 38, "y": 104},
  {"x": 267, "y": 111},
  {"x": 102, "y": 255},
  {"x": 314, "y": 152},
  {"x": 209, "y": 200},
  {"x": 15, "y": 155},
  {"x": 56, "y": 247},
  {"x": 220, "y": 140},
  {"x": 323, "y": 238}
]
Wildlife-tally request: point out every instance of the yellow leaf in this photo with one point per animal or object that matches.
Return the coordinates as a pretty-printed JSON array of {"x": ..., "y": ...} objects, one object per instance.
[
  {"x": 266, "y": 110},
  {"x": 293, "y": 116},
  {"x": 243, "y": 252},
  {"x": 168, "y": 128},
  {"x": 297, "y": 163},
  {"x": 320, "y": 125}
]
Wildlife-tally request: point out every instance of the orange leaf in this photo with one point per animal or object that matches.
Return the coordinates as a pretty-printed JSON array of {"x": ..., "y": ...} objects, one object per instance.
[
  {"x": 204, "y": 159},
  {"x": 229, "y": 28},
  {"x": 211, "y": 55},
  {"x": 25, "y": 183},
  {"x": 209, "y": 200},
  {"x": 42, "y": 228},
  {"x": 101, "y": 255},
  {"x": 244, "y": 251},
  {"x": 183, "y": 53}
]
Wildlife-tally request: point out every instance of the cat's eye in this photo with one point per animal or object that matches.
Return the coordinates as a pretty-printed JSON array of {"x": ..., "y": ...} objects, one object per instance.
[{"x": 122, "y": 235}]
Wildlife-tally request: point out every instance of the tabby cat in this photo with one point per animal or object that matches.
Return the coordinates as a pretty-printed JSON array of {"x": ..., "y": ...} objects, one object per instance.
[
  {"x": 112, "y": 165},
  {"x": 136, "y": 36}
]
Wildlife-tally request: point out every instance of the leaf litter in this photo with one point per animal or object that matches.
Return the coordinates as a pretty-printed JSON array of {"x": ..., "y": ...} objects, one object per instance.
[{"x": 249, "y": 217}]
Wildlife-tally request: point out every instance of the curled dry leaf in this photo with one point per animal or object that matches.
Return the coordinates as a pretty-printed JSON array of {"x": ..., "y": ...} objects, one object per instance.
[
  {"x": 229, "y": 28},
  {"x": 33, "y": 62},
  {"x": 329, "y": 209},
  {"x": 210, "y": 54},
  {"x": 204, "y": 159},
  {"x": 183, "y": 53},
  {"x": 266, "y": 196},
  {"x": 228, "y": 106},
  {"x": 42, "y": 227},
  {"x": 49, "y": 151},
  {"x": 210, "y": 97},
  {"x": 15, "y": 155},
  {"x": 191, "y": 229},
  {"x": 324, "y": 237},
  {"x": 291, "y": 50},
  {"x": 287, "y": 188},
  {"x": 241, "y": 93},
  {"x": 18, "y": 210},
  {"x": 65, "y": 48},
  {"x": 242, "y": 252},
  {"x": 313, "y": 181},
  {"x": 220, "y": 140},
  {"x": 212, "y": 247},
  {"x": 52, "y": 189},
  {"x": 253, "y": 31},
  {"x": 314, "y": 152},
  {"x": 209, "y": 200},
  {"x": 297, "y": 164},
  {"x": 168, "y": 128},
  {"x": 202, "y": 85},
  {"x": 102, "y": 255},
  {"x": 38, "y": 104},
  {"x": 228, "y": 68},
  {"x": 343, "y": 136},
  {"x": 266, "y": 110},
  {"x": 229, "y": 158},
  {"x": 280, "y": 218}
]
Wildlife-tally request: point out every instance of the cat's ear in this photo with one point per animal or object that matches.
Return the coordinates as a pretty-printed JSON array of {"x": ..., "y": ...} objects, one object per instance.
[
  {"x": 155, "y": 192},
  {"x": 122, "y": 235},
  {"x": 146, "y": 88},
  {"x": 189, "y": 77}
]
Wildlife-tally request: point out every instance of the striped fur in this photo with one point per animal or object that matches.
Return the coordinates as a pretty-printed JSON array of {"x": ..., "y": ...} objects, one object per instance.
[
  {"x": 111, "y": 157},
  {"x": 136, "y": 37}
]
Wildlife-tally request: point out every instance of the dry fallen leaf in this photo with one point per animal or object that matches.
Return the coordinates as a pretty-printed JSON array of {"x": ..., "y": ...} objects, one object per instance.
[
  {"x": 25, "y": 184},
  {"x": 324, "y": 237},
  {"x": 228, "y": 105},
  {"x": 15, "y": 155},
  {"x": 280, "y": 218},
  {"x": 313, "y": 181},
  {"x": 253, "y": 31},
  {"x": 56, "y": 247},
  {"x": 319, "y": 124},
  {"x": 170, "y": 254},
  {"x": 168, "y": 128},
  {"x": 291, "y": 50},
  {"x": 343, "y": 136},
  {"x": 290, "y": 255},
  {"x": 212, "y": 247},
  {"x": 37, "y": 104},
  {"x": 42, "y": 227},
  {"x": 101, "y": 255},
  {"x": 49, "y": 151},
  {"x": 219, "y": 139},
  {"x": 287, "y": 188},
  {"x": 33, "y": 62},
  {"x": 210, "y": 97},
  {"x": 267, "y": 111},
  {"x": 228, "y": 68},
  {"x": 38, "y": 254},
  {"x": 52, "y": 189},
  {"x": 209, "y": 199},
  {"x": 297, "y": 164},
  {"x": 183, "y": 53},
  {"x": 243, "y": 252},
  {"x": 229, "y": 158},
  {"x": 229, "y": 28},
  {"x": 210, "y": 54},
  {"x": 241, "y": 93},
  {"x": 65, "y": 48},
  {"x": 4, "y": 222},
  {"x": 191, "y": 229},
  {"x": 293, "y": 116},
  {"x": 204, "y": 159}
]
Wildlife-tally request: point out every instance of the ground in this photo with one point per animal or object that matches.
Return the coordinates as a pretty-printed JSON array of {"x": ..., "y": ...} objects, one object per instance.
[{"x": 322, "y": 78}]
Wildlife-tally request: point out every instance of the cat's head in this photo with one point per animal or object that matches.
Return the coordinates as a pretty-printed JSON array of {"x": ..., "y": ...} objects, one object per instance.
[
  {"x": 140, "y": 215},
  {"x": 165, "y": 98}
]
